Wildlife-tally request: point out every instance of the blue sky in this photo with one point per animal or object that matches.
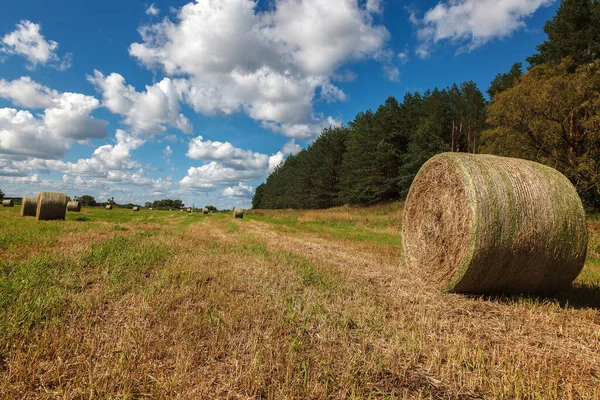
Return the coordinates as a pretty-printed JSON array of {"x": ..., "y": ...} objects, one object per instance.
[{"x": 200, "y": 100}]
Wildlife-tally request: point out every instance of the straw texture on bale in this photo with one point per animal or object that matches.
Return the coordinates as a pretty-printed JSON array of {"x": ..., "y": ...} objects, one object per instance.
[
  {"x": 205, "y": 210},
  {"x": 109, "y": 206},
  {"x": 29, "y": 206},
  {"x": 485, "y": 224},
  {"x": 136, "y": 208},
  {"x": 73, "y": 206},
  {"x": 8, "y": 203},
  {"x": 238, "y": 213},
  {"x": 51, "y": 206}
]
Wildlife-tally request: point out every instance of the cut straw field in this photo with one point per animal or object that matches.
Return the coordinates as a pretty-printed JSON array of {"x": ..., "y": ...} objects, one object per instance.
[{"x": 279, "y": 304}]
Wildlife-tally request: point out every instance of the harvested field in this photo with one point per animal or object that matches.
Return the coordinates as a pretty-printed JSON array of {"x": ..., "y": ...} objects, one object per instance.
[{"x": 275, "y": 305}]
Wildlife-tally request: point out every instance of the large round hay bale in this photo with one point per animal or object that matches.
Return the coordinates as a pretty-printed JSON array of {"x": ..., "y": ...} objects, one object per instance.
[
  {"x": 136, "y": 208},
  {"x": 51, "y": 206},
  {"x": 238, "y": 213},
  {"x": 484, "y": 224},
  {"x": 109, "y": 207},
  {"x": 205, "y": 210},
  {"x": 189, "y": 210},
  {"x": 73, "y": 206},
  {"x": 8, "y": 203},
  {"x": 29, "y": 206}
]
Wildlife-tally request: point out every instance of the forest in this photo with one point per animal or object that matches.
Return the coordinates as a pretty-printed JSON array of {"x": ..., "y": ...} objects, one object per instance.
[{"x": 549, "y": 113}]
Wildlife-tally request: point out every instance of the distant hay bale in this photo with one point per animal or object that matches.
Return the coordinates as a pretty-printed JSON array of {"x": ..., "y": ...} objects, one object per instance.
[
  {"x": 51, "y": 206},
  {"x": 189, "y": 210},
  {"x": 150, "y": 208},
  {"x": 109, "y": 207},
  {"x": 238, "y": 213},
  {"x": 73, "y": 206},
  {"x": 8, "y": 203},
  {"x": 136, "y": 208},
  {"x": 205, "y": 210},
  {"x": 485, "y": 224},
  {"x": 29, "y": 206}
]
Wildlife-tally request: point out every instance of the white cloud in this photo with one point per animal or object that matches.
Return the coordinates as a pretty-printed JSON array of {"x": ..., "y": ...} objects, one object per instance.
[
  {"x": 23, "y": 134},
  {"x": 226, "y": 154},
  {"x": 214, "y": 174},
  {"x": 152, "y": 10},
  {"x": 27, "y": 93},
  {"x": 66, "y": 114},
  {"x": 105, "y": 158},
  {"x": 307, "y": 130},
  {"x": 291, "y": 147},
  {"x": 375, "y": 6},
  {"x": 275, "y": 160},
  {"x": 472, "y": 23},
  {"x": 146, "y": 112},
  {"x": 240, "y": 190},
  {"x": 228, "y": 57},
  {"x": 27, "y": 41}
]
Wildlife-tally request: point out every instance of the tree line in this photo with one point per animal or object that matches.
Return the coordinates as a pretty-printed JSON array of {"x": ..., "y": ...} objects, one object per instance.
[{"x": 549, "y": 114}]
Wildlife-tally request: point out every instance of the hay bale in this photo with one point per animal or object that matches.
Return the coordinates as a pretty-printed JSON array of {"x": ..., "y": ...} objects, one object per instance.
[
  {"x": 51, "y": 206},
  {"x": 484, "y": 224},
  {"x": 205, "y": 210},
  {"x": 238, "y": 213},
  {"x": 109, "y": 207},
  {"x": 150, "y": 208},
  {"x": 29, "y": 206},
  {"x": 73, "y": 206},
  {"x": 136, "y": 208},
  {"x": 8, "y": 203},
  {"x": 189, "y": 210}
]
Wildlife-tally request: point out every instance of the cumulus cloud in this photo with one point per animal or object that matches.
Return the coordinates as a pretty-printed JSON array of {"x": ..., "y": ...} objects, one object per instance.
[
  {"x": 105, "y": 158},
  {"x": 226, "y": 154},
  {"x": 227, "y": 164},
  {"x": 291, "y": 147},
  {"x": 240, "y": 190},
  {"x": 27, "y": 41},
  {"x": 66, "y": 115},
  {"x": 228, "y": 57},
  {"x": 472, "y": 23},
  {"x": 146, "y": 112},
  {"x": 152, "y": 10},
  {"x": 22, "y": 134}
]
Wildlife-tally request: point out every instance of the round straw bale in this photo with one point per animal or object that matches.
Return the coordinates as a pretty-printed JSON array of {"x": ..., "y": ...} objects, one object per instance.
[
  {"x": 8, "y": 203},
  {"x": 73, "y": 206},
  {"x": 109, "y": 207},
  {"x": 205, "y": 210},
  {"x": 189, "y": 210},
  {"x": 29, "y": 206},
  {"x": 238, "y": 213},
  {"x": 136, "y": 208},
  {"x": 485, "y": 224},
  {"x": 51, "y": 206}
]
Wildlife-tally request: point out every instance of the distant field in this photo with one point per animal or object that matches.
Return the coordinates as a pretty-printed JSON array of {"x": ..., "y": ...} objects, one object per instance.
[{"x": 280, "y": 304}]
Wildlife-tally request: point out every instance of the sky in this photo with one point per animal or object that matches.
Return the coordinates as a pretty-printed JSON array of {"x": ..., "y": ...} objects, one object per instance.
[{"x": 200, "y": 100}]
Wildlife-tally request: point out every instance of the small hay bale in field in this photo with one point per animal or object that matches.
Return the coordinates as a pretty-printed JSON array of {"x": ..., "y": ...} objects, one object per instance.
[
  {"x": 485, "y": 224},
  {"x": 136, "y": 208},
  {"x": 73, "y": 206},
  {"x": 238, "y": 213},
  {"x": 189, "y": 210},
  {"x": 205, "y": 210},
  {"x": 150, "y": 209},
  {"x": 51, "y": 206},
  {"x": 109, "y": 207},
  {"x": 8, "y": 203},
  {"x": 29, "y": 206}
]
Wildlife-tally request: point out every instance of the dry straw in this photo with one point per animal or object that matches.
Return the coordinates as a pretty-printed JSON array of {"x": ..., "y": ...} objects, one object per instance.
[
  {"x": 74, "y": 206},
  {"x": 109, "y": 206},
  {"x": 29, "y": 206},
  {"x": 7, "y": 203},
  {"x": 136, "y": 208},
  {"x": 481, "y": 224},
  {"x": 238, "y": 213},
  {"x": 51, "y": 206},
  {"x": 205, "y": 210}
]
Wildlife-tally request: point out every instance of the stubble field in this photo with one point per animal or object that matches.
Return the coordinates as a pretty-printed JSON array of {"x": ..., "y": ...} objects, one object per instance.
[{"x": 281, "y": 304}]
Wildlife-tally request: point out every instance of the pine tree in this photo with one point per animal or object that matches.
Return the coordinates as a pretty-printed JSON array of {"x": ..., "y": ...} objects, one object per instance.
[{"x": 573, "y": 32}]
